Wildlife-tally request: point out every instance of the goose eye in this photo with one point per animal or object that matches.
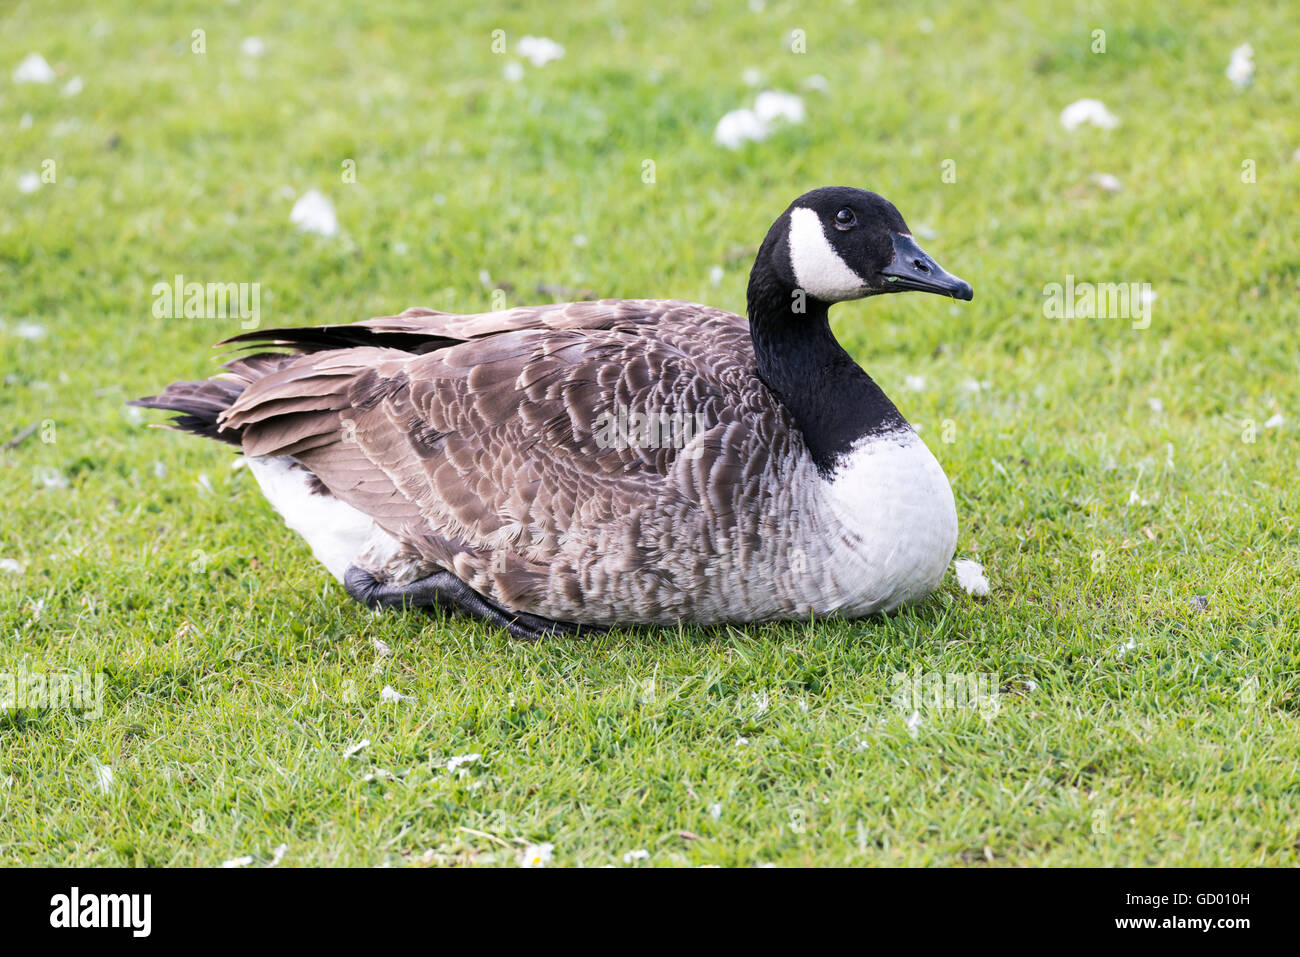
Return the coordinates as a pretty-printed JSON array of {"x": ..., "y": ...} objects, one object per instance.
[{"x": 845, "y": 218}]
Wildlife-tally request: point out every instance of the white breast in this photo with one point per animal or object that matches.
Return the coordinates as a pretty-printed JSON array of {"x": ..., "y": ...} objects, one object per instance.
[{"x": 893, "y": 521}]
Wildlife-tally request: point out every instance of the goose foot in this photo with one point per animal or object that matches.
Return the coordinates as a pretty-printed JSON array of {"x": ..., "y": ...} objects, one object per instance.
[{"x": 444, "y": 590}]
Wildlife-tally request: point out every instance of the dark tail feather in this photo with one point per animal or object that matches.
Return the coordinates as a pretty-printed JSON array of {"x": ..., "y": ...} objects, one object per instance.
[
  {"x": 322, "y": 338},
  {"x": 199, "y": 404}
]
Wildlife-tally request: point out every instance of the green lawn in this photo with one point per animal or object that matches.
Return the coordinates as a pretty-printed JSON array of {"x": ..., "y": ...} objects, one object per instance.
[{"x": 1106, "y": 475}]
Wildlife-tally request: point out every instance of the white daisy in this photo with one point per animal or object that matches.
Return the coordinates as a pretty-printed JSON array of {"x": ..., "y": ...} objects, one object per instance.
[{"x": 537, "y": 855}]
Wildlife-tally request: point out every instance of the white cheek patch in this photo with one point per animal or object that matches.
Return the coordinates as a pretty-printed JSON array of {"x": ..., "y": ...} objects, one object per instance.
[{"x": 818, "y": 269}]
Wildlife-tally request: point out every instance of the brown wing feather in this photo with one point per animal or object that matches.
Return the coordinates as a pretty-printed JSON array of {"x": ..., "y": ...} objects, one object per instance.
[{"x": 485, "y": 453}]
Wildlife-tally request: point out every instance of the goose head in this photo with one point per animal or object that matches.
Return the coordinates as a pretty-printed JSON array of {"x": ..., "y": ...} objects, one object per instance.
[
  {"x": 832, "y": 245},
  {"x": 838, "y": 243}
]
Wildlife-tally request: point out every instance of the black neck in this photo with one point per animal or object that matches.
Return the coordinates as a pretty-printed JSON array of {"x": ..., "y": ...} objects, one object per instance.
[{"x": 833, "y": 401}]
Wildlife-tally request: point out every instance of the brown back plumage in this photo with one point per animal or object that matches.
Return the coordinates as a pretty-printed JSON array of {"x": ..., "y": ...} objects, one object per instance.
[{"x": 476, "y": 439}]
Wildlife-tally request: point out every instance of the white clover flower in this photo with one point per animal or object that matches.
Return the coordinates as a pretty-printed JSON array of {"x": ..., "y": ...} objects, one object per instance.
[
  {"x": 1088, "y": 111},
  {"x": 1241, "y": 68},
  {"x": 739, "y": 127},
  {"x": 539, "y": 50},
  {"x": 314, "y": 213},
  {"x": 771, "y": 108},
  {"x": 34, "y": 69},
  {"x": 456, "y": 761},
  {"x": 773, "y": 105}
]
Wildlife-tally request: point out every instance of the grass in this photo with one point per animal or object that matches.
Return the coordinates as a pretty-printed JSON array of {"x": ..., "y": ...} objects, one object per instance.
[{"x": 1134, "y": 727}]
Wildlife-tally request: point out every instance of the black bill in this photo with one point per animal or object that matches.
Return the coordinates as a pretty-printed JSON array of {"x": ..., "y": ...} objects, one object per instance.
[{"x": 912, "y": 268}]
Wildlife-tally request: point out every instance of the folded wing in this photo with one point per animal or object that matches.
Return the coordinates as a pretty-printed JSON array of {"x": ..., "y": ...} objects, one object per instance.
[{"x": 492, "y": 443}]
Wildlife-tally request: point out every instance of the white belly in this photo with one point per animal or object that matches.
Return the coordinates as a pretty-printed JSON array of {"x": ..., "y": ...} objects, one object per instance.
[
  {"x": 335, "y": 530},
  {"x": 339, "y": 535},
  {"x": 891, "y": 524}
]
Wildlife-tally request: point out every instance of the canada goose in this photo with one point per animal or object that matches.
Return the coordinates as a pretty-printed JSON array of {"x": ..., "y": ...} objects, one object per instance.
[{"x": 626, "y": 461}]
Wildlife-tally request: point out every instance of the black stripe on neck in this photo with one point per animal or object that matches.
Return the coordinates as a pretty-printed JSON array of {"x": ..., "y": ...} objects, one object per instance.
[{"x": 832, "y": 399}]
